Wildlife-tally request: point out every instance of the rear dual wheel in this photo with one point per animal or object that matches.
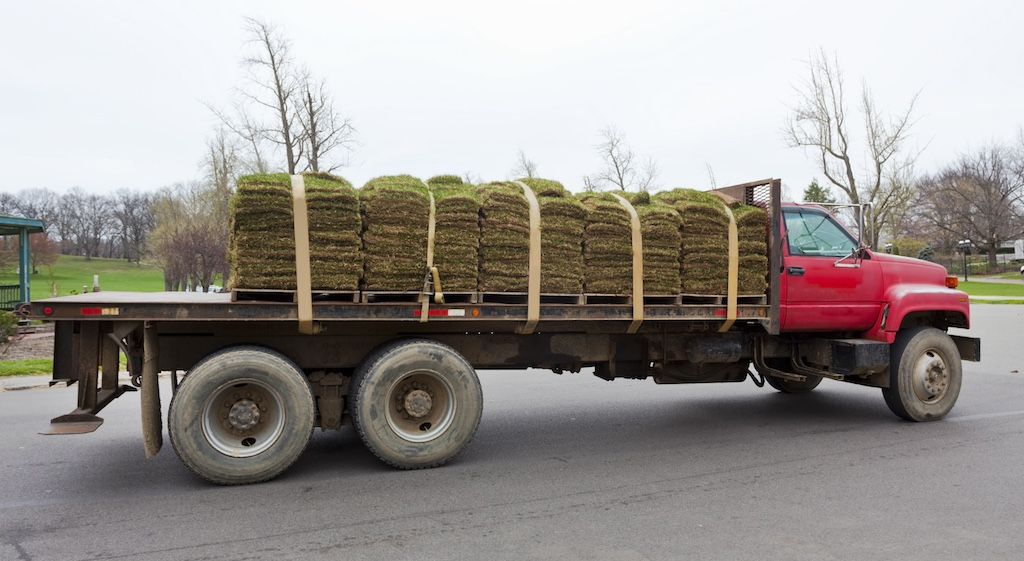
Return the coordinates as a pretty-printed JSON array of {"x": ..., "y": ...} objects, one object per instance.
[
  {"x": 241, "y": 415},
  {"x": 416, "y": 403}
]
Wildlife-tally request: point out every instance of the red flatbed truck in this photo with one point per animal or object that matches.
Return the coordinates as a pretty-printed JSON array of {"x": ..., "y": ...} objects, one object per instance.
[{"x": 255, "y": 387}]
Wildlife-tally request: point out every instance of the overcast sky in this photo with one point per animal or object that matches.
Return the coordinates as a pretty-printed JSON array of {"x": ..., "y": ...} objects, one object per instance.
[{"x": 106, "y": 95}]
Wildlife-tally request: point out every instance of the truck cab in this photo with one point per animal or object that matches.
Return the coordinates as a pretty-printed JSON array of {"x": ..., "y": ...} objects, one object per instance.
[
  {"x": 865, "y": 317},
  {"x": 831, "y": 282}
]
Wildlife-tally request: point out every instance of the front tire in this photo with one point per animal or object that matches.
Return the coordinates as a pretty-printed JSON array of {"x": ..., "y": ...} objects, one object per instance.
[
  {"x": 416, "y": 403},
  {"x": 924, "y": 375},
  {"x": 241, "y": 415}
]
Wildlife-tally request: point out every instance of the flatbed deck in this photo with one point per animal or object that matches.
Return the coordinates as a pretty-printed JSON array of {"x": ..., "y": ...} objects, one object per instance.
[{"x": 198, "y": 306}]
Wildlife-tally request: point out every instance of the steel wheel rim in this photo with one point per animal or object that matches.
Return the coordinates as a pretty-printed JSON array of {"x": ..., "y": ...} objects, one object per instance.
[
  {"x": 243, "y": 418},
  {"x": 420, "y": 406},
  {"x": 930, "y": 376}
]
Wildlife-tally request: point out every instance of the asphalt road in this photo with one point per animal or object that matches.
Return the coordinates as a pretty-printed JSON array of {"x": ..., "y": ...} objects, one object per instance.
[{"x": 563, "y": 467}]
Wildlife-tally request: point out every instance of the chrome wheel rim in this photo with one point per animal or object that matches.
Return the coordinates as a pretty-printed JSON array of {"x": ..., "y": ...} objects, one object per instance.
[
  {"x": 243, "y": 418},
  {"x": 930, "y": 376},
  {"x": 420, "y": 406}
]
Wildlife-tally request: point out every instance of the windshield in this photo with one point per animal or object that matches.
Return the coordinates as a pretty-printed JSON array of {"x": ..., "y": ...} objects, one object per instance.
[{"x": 813, "y": 233}]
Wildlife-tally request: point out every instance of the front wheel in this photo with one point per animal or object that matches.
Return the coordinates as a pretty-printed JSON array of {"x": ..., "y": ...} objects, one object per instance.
[
  {"x": 416, "y": 403},
  {"x": 924, "y": 375}
]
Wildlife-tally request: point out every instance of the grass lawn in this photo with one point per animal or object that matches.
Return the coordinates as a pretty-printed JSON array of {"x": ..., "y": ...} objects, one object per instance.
[
  {"x": 1015, "y": 274},
  {"x": 71, "y": 272},
  {"x": 992, "y": 289},
  {"x": 26, "y": 367}
]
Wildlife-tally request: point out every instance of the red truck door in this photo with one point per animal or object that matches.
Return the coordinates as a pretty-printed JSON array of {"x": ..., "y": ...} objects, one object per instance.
[{"x": 817, "y": 293}]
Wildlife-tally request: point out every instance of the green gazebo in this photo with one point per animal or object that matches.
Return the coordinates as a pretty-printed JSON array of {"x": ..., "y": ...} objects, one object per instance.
[{"x": 9, "y": 226}]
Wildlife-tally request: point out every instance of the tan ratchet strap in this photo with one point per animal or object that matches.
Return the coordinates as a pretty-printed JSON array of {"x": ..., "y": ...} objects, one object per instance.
[
  {"x": 533, "y": 283},
  {"x": 637, "y": 243},
  {"x": 303, "y": 275},
  {"x": 433, "y": 275},
  {"x": 734, "y": 269}
]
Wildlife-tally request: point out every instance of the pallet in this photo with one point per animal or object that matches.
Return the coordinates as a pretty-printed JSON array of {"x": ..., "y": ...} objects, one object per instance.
[
  {"x": 393, "y": 297},
  {"x": 722, "y": 299},
  {"x": 604, "y": 299},
  {"x": 522, "y": 298},
  {"x": 273, "y": 295}
]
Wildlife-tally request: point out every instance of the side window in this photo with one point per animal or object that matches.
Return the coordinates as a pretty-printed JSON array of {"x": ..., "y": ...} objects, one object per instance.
[{"x": 815, "y": 234}]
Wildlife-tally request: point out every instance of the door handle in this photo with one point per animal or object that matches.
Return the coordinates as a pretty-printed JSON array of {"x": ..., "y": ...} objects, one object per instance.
[{"x": 795, "y": 271}]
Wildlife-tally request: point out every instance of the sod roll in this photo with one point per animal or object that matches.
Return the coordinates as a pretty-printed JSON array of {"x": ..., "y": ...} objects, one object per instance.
[
  {"x": 607, "y": 246},
  {"x": 396, "y": 213},
  {"x": 262, "y": 238},
  {"x": 456, "y": 233},
  {"x": 504, "y": 238},
  {"x": 660, "y": 228},
  {"x": 562, "y": 223},
  {"x": 444, "y": 180}
]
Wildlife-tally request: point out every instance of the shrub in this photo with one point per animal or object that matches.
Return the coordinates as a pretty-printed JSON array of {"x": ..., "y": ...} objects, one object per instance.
[{"x": 8, "y": 325}]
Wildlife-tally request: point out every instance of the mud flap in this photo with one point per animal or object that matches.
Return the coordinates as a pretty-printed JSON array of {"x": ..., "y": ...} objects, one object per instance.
[{"x": 152, "y": 421}]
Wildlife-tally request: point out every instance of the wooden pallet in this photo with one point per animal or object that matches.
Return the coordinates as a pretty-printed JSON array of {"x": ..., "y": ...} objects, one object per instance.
[
  {"x": 604, "y": 299},
  {"x": 273, "y": 295},
  {"x": 522, "y": 298},
  {"x": 389, "y": 296},
  {"x": 722, "y": 299}
]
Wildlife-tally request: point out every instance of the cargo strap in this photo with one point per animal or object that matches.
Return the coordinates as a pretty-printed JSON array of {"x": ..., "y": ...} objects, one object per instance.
[
  {"x": 432, "y": 276},
  {"x": 303, "y": 276},
  {"x": 533, "y": 283},
  {"x": 637, "y": 244},
  {"x": 734, "y": 269}
]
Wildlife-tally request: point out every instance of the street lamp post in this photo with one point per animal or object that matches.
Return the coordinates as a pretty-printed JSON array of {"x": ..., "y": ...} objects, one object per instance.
[{"x": 964, "y": 246}]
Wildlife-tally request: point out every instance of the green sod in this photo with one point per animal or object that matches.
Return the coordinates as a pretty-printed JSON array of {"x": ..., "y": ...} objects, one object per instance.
[
  {"x": 562, "y": 222},
  {"x": 456, "y": 232},
  {"x": 396, "y": 213},
  {"x": 262, "y": 243}
]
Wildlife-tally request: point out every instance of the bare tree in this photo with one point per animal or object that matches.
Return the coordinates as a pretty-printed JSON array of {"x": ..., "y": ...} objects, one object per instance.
[
  {"x": 250, "y": 132},
  {"x": 979, "y": 198},
  {"x": 525, "y": 167},
  {"x": 221, "y": 164},
  {"x": 66, "y": 219},
  {"x": 9, "y": 204},
  {"x": 40, "y": 204},
  {"x": 275, "y": 90},
  {"x": 187, "y": 240},
  {"x": 324, "y": 130},
  {"x": 622, "y": 170},
  {"x": 94, "y": 223},
  {"x": 133, "y": 211},
  {"x": 819, "y": 123}
]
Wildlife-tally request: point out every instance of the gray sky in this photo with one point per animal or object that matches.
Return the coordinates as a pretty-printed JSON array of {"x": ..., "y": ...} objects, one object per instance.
[{"x": 106, "y": 95}]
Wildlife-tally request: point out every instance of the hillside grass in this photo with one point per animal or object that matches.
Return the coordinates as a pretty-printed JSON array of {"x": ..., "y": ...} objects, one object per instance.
[{"x": 71, "y": 272}]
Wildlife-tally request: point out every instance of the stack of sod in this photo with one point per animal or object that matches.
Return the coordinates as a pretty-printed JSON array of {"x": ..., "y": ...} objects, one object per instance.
[
  {"x": 396, "y": 214},
  {"x": 607, "y": 246},
  {"x": 752, "y": 223},
  {"x": 262, "y": 239},
  {"x": 659, "y": 226},
  {"x": 562, "y": 221},
  {"x": 456, "y": 232},
  {"x": 504, "y": 238},
  {"x": 704, "y": 251}
]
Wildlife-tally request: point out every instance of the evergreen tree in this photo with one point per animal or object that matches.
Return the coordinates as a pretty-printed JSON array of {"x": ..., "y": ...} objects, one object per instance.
[{"x": 815, "y": 193}]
